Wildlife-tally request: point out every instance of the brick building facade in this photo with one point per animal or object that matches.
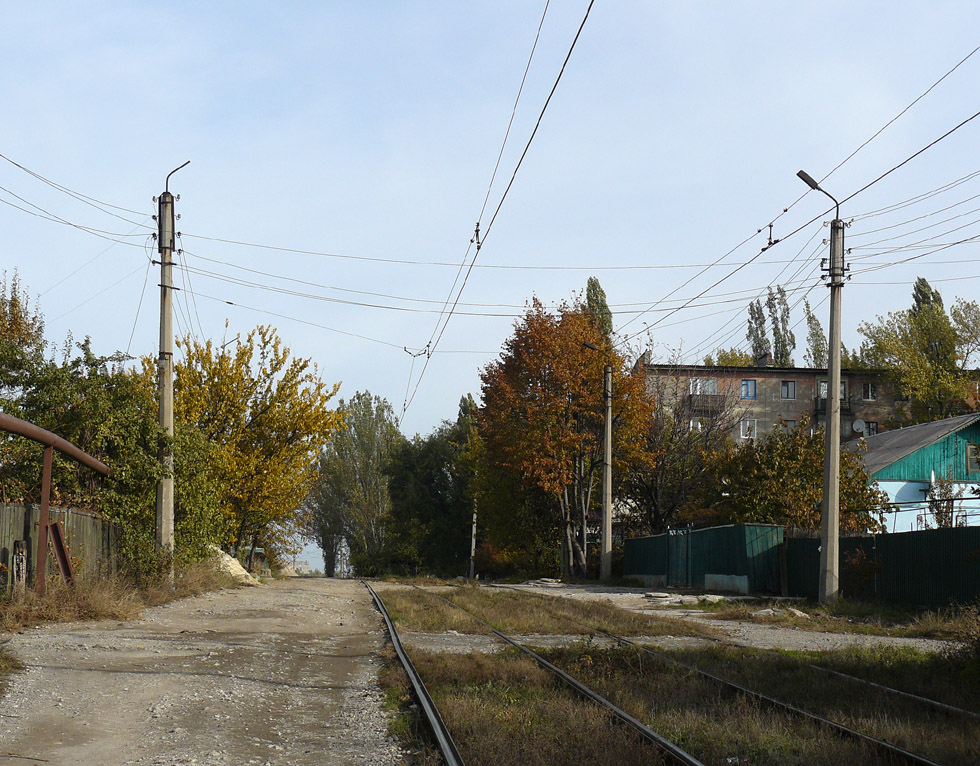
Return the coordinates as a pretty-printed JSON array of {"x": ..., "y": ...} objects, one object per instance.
[{"x": 754, "y": 400}]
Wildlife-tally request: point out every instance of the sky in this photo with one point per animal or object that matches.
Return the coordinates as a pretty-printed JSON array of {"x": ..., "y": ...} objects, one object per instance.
[{"x": 341, "y": 154}]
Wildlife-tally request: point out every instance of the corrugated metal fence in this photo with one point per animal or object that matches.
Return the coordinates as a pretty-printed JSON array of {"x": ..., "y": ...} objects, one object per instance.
[
  {"x": 739, "y": 557},
  {"x": 93, "y": 542},
  {"x": 930, "y": 567}
]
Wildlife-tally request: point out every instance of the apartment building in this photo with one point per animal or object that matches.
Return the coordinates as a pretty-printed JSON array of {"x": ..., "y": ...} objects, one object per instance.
[{"x": 752, "y": 401}]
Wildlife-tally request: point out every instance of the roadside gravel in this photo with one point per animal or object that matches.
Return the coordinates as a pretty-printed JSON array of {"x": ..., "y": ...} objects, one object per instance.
[
  {"x": 741, "y": 632},
  {"x": 280, "y": 674}
]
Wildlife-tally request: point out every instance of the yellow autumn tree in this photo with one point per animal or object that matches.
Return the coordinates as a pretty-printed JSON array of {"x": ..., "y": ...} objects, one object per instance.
[{"x": 267, "y": 416}]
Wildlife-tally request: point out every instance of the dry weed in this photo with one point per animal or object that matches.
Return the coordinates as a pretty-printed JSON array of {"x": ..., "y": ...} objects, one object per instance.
[
  {"x": 523, "y": 613},
  {"x": 105, "y": 598}
]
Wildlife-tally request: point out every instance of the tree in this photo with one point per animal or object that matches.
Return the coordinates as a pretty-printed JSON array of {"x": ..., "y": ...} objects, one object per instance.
[
  {"x": 925, "y": 352},
  {"x": 732, "y": 357},
  {"x": 352, "y": 492},
  {"x": 778, "y": 479},
  {"x": 541, "y": 417},
  {"x": 783, "y": 340},
  {"x": 433, "y": 493},
  {"x": 816, "y": 339},
  {"x": 595, "y": 301},
  {"x": 657, "y": 495},
  {"x": 22, "y": 344},
  {"x": 268, "y": 416},
  {"x": 756, "y": 332}
]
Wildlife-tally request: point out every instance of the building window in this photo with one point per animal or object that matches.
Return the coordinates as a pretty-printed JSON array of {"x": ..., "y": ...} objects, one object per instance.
[
  {"x": 698, "y": 424},
  {"x": 972, "y": 458},
  {"x": 870, "y": 427},
  {"x": 787, "y": 389},
  {"x": 704, "y": 386},
  {"x": 823, "y": 389},
  {"x": 869, "y": 392},
  {"x": 748, "y": 389},
  {"x": 790, "y": 425},
  {"x": 748, "y": 428}
]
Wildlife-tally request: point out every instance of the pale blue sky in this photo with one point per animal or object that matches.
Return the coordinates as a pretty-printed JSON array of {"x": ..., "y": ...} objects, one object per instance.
[{"x": 371, "y": 129}]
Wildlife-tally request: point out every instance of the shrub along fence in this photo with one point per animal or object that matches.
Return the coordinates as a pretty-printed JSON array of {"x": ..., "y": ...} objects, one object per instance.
[
  {"x": 93, "y": 542},
  {"x": 933, "y": 567}
]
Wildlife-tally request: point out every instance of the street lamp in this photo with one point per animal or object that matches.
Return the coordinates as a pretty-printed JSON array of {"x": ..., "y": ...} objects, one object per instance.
[
  {"x": 605, "y": 556},
  {"x": 829, "y": 583}
]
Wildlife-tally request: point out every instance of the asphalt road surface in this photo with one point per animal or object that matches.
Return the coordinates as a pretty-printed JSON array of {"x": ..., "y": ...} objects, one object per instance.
[{"x": 279, "y": 674}]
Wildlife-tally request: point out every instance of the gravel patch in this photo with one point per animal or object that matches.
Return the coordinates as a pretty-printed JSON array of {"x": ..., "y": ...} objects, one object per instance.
[{"x": 281, "y": 674}]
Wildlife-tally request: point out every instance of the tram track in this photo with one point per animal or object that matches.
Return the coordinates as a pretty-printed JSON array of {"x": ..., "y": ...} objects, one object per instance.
[
  {"x": 941, "y": 706},
  {"x": 668, "y": 749},
  {"x": 891, "y": 753}
]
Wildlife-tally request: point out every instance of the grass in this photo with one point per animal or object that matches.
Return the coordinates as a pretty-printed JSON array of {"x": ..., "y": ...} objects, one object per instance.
[
  {"x": 107, "y": 598},
  {"x": 946, "y": 738},
  {"x": 699, "y": 716},
  {"x": 849, "y": 616},
  {"x": 522, "y": 613},
  {"x": 504, "y": 709}
]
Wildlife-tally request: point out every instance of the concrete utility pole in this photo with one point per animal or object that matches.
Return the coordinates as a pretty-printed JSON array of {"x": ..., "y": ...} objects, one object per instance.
[
  {"x": 605, "y": 560},
  {"x": 165, "y": 370},
  {"x": 473, "y": 543},
  {"x": 829, "y": 585}
]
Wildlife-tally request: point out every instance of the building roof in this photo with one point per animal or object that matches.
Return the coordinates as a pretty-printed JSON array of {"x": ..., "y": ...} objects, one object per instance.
[{"x": 890, "y": 446}]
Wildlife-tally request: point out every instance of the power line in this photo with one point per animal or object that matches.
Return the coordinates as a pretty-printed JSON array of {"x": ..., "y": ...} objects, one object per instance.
[
  {"x": 139, "y": 307},
  {"x": 73, "y": 273},
  {"x": 98, "y": 204},
  {"x": 103, "y": 290},
  {"x": 496, "y": 212}
]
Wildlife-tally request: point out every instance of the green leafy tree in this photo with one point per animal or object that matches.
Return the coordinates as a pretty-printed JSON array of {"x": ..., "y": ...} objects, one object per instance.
[
  {"x": 778, "y": 479},
  {"x": 433, "y": 495},
  {"x": 816, "y": 339},
  {"x": 731, "y": 357},
  {"x": 925, "y": 352},
  {"x": 756, "y": 332},
  {"x": 595, "y": 301},
  {"x": 783, "y": 339},
  {"x": 352, "y": 490}
]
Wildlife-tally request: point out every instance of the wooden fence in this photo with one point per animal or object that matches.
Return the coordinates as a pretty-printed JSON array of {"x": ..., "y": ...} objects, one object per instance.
[{"x": 93, "y": 542}]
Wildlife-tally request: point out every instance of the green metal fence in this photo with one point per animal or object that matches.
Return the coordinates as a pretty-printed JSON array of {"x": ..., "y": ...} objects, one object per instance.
[
  {"x": 737, "y": 557},
  {"x": 93, "y": 542},
  {"x": 932, "y": 567}
]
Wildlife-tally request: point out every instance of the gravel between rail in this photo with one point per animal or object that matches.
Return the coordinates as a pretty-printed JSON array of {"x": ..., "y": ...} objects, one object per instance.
[
  {"x": 760, "y": 636},
  {"x": 280, "y": 674}
]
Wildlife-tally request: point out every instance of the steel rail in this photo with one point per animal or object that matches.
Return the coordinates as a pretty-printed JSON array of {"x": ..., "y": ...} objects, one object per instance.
[
  {"x": 946, "y": 708},
  {"x": 906, "y": 755},
  {"x": 668, "y": 747},
  {"x": 918, "y": 698},
  {"x": 438, "y": 726}
]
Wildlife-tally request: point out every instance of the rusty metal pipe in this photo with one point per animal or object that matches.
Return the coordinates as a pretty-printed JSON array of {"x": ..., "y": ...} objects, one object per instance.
[{"x": 30, "y": 431}]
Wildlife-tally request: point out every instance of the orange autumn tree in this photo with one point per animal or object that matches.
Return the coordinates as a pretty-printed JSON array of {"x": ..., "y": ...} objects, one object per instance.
[{"x": 542, "y": 416}]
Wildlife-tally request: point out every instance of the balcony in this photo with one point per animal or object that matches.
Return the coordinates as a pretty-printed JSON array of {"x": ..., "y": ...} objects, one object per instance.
[
  {"x": 820, "y": 406},
  {"x": 705, "y": 404}
]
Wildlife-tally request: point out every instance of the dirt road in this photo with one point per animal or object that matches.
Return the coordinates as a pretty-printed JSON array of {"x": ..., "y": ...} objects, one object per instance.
[{"x": 279, "y": 674}]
